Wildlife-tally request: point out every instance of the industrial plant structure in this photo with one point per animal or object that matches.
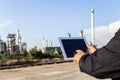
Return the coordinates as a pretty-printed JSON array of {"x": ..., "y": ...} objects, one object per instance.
[
  {"x": 11, "y": 46},
  {"x": 50, "y": 47}
]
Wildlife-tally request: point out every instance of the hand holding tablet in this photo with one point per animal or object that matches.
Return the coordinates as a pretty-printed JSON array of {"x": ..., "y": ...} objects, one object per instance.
[
  {"x": 70, "y": 45},
  {"x": 91, "y": 49},
  {"x": 78, "y": 55}
]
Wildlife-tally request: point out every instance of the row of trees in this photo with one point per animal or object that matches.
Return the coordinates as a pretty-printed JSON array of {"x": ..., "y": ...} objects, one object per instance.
[{"x": 33, "y": 53}]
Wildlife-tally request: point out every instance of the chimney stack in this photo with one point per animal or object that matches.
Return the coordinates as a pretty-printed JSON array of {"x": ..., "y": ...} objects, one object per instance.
[
  {"x": 92, "y": 27},
  {"x": 69, "y": 34},
  {"x": 81, "y": 33}
]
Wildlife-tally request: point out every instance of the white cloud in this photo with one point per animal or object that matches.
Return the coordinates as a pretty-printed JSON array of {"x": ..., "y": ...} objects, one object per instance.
[
  {"x": 103, "y": 33},
  {"x": 113, "y": 27},
  {"x": 4, "y": 24}
]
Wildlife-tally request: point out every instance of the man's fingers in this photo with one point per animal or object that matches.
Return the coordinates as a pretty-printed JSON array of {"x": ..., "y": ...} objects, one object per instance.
[
  {"x": 78, "y": 55},
  {"x": 77, "y": 51},
  {"x": 75, "y": 61},
  {"x": 91, "y": 49}
]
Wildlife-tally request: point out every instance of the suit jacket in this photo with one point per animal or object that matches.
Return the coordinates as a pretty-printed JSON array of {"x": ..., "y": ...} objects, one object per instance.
[{"x": 104, "y": 62}]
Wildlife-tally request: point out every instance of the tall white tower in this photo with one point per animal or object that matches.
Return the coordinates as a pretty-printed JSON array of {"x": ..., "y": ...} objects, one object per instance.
[
  {"x": 51, "y": 44},
  {"x": 92, "y": 27},
  {"x": 43, "y": 42},
  {"x": 19, "y": 41},
  {"x": 46, "y": 43}
]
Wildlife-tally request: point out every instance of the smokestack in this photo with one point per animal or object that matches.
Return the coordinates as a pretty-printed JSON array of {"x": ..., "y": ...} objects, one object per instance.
[
  {"x": 69, "y": 35},
  {"x": 92, "y": 27},
  {"x": 81, "y": 33},
  {"x": 51, "y": 45},
  {"x": 44, "y": 42}
]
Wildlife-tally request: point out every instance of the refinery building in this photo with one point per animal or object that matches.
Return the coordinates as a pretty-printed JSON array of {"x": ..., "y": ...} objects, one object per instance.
[{"x": 13, "y": 44}]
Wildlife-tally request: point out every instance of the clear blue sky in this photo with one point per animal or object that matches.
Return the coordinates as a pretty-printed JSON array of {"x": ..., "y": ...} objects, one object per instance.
[{"x": 53, "y": 18}]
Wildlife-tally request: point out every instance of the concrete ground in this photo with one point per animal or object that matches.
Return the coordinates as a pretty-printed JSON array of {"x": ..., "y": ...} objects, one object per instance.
[{"x": 62, "y": 71}]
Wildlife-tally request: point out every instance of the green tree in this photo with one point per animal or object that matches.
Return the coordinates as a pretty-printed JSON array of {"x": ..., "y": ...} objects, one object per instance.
[
  {"x": 4, "y": 57},
  {"x": 36, "y": 54}
]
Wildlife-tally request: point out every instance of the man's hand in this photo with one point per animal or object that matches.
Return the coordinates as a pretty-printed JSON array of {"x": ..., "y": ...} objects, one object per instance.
[
  {"x": 91, "y": 49},
  {"x": 78, "y": 55}
]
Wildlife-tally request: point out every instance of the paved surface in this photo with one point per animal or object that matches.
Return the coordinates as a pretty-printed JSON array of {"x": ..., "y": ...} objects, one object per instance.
[{"x": 62, "y": 71}]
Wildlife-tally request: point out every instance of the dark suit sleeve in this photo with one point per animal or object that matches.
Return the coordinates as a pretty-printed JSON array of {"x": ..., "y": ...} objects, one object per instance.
[{"x": 104, "y": 62}]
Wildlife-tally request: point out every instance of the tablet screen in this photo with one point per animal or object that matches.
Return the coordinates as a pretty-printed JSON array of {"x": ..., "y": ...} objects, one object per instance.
[{"x": 70, "y": 45}]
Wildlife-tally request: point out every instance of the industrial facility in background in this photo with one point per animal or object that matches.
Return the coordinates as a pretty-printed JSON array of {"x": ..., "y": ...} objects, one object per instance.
[
  {"x": 13, "y": 44},
  {"x": 47, "y": 47}
]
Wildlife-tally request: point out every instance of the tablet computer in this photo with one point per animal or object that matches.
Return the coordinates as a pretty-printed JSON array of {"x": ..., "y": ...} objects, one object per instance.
[{"x": 69, "y": 45}]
